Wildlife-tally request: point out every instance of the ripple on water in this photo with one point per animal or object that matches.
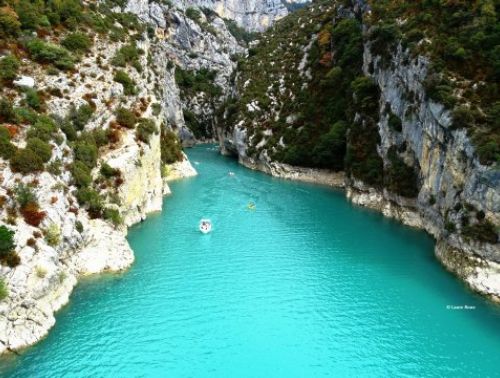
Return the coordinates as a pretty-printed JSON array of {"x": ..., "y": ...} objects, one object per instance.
[{"x": 306, "y": 285}]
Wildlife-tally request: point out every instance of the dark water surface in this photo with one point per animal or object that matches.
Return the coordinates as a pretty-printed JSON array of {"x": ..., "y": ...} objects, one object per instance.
[{"x": 306, "y": 285}]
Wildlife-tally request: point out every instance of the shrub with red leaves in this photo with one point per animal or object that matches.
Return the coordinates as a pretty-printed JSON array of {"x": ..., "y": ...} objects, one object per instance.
[{"x": 32, "y": 214}]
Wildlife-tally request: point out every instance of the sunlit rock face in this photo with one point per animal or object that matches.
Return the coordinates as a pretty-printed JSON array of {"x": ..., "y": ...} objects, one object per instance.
[{"x": 255, "y": 15}]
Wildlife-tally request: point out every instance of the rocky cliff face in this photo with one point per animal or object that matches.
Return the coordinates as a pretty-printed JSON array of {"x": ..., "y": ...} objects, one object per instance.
[
  {"x": 191, "y": 45},
  {"x": 70, "y": 242},
  {"x": 401, "y": 154},
  {"x": 185, "y": 71},
  {"x": 453, "y": 181},
  {"x": 255, "y": 15}
]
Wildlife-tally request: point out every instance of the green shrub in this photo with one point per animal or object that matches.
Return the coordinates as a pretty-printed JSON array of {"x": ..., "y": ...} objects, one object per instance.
[
  {"x": 80, "y": 116},
  {"x": 25, "y": 195},
  {"x": 494, "y": 116},
  {"x": 79, "y": 226},
  {"x": 125, "y": 80},
  {"x": 43, "y": 52},
  {"x": 193, "y": 123},
  {"x": 125, "y": 118},
  {"x": 394, "y": 122},
  {"x": 53, "y": 235},
  {"x": 384, "y": 38},
  {"x": 7, "y": 113},
  {"x": 348, "y": 41},
  {"x": 81, "y": 174},
  {"x": 66, "y": 12},
  {"x": 29, "y": 15},
  {"x": 25, "y": 115},
  {"x": 171, "y": 150},
  {"x": 330, "y": 150},
  {"x": 145, "y": 129},
  {"x": 450, "y": 227},
  {"x": 114, "y": 216},
  {"x": 9, "y": 22},
  {"x": 489, "y": 152},
  {"x": 7, "y": 244},
  {"x": 483, "y": 231},
  {"x": 67, "y": 128},
  {"x": 32, "y": 98},
  {"x": 193, "y": 14},
  {"x": 365, "y": 90},
  {"x": 91, "y": 200},
  {"x": 44, "y": 129},
  {"x": 26, "y": 161},
  {"x": 463, "y": 117},
  {"x": 4, "y": 291},
  {"x": 107, "y": 171},
  {"x": 86, "y": 153},
  {"x": 4, "y": 133},
  {"x": 77, "y": 41},
  {"x": 7, "y": 149},
  {"x": 128, "y": 54},
  {"x": 202, "y": 80},
  {"x": 55, "y": 167},
  {"x": 362, "y": 158},
  {"x": 9, "y": 66},
  {"x": 440, "y": 89},
  {"x": 401, "y": 178},
  {"x": 42, "y": 149},
  {"x": 156, "y": 109},
  {"x": 101, "y": 137},
  {"x": 238, "y": 32}
]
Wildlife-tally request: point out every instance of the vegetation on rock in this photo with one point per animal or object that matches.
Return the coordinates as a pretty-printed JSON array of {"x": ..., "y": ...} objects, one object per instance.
[
  {"x": 462, "y": 40},
  {"x": 171, "y": 150}
]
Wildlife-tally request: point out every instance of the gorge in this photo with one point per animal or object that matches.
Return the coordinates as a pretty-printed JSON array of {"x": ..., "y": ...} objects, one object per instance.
[
  {"x": 97, "y": 99},
  {"x": 288, "y": 290}
]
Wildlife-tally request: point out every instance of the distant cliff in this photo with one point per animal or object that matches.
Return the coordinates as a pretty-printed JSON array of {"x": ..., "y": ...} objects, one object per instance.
[{"x": 254, "y": 15}]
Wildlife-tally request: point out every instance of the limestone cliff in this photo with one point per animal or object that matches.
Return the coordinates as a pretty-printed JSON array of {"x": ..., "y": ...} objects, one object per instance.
[
  {"x": 255, "y": 15},
  {"x": 78, "y": 222},
  {"x": 200, "y": 51},
  {"x": 335, "y": 98},
  {"x": 453, "y": 181}
]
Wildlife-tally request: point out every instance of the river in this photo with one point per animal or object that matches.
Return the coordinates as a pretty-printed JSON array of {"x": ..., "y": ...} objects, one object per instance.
[{"x": 304, "y": 285}]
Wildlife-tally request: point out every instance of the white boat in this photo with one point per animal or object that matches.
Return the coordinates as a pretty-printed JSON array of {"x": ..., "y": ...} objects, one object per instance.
[{"x": 205, "y": 226}]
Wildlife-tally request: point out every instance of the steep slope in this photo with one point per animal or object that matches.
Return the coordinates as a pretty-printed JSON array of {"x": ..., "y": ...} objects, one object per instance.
[
  {"x": 85, "y": 139},
  {"x": 401, "y": 102},
  {"x": 200, "y": 51},
  {"x": 94, "y": 98},
  {"x": 254, "y": 15}
]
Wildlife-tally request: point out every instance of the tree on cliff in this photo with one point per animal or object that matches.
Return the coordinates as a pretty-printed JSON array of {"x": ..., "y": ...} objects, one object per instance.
[{"x": 6, "y": 241}]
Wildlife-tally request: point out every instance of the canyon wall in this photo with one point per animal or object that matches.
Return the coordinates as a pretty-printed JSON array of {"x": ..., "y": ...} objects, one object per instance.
[
  {"x": 69, "y": 242},
  {"x": 453, "y": 192}
]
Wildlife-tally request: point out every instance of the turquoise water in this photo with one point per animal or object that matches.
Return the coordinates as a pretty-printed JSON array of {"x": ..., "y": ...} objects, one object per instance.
[{"x": 305, "y": 286}]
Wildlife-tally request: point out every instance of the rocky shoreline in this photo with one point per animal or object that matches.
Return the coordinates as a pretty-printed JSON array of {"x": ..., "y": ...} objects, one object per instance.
[
  {"x": 456, "y": 254},
  {"x": 45, "y": 281}
]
